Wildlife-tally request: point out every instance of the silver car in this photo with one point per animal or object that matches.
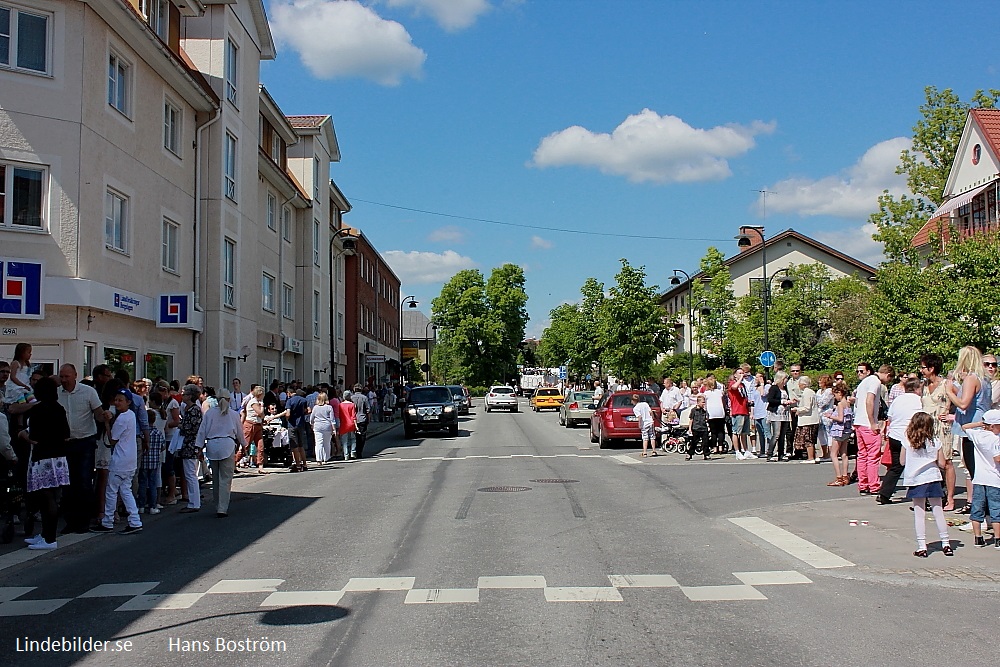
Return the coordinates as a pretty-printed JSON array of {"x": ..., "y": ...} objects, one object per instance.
[
  {"x": 578, "y": 407},
  {"x": 501, "y": 397}
]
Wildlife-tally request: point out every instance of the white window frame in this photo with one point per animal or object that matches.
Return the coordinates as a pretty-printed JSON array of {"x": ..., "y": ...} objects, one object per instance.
[
  {"x": 315, "y": 178},
  {"x": 286, "y": 223},
  {"x": 169, "y": 242},
  {"x": 230, "y": 169},
  {"x": 287, "y": 301},
  {"x": 7, "y": 195},
  {"x": 173, "y": 119},
  {"x": 116, "y": 214},
  {"x": 229, "y": 273},
  {"x": 272, "y": 211},
  {"x": 120, "y": 83},
  {"x": 340, "y": 326},
  {"x": 267, "y": 282},
  {"x": 267, "y": 374},
  {"x": 157, "y": 16},
  {"x": 316, "y": 314},
  {"x": 12, "y": 37},
  {"x": 275, "y": 146},
  {"x": 232, "y": 65},
  {"x": 316, "y": 236}
]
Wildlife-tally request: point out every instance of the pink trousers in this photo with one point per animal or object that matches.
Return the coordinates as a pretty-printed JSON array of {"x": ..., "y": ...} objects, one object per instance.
[{"x": 869, "y": 459}]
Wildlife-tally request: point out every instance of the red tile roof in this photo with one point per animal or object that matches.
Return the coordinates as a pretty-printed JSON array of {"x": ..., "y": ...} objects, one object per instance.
[
  {"x": 989, "y": 121},
  {"x": 305, "y": 122},
  {"x": 938, "y": 225}
]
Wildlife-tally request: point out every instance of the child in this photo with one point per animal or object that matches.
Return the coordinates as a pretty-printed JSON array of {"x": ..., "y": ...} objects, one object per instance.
[
  {"x": 841, "y": 424},
  {"x": 923, "y": 461},
  {"x": 121, "y": 470},
  {"x": 699, "y": 428},
  {"x": 149, "y": 468},
  {"x": 985, "y": 436},
  {"x": 644, "y": 414},
  {"x": 18, "y": 388}
]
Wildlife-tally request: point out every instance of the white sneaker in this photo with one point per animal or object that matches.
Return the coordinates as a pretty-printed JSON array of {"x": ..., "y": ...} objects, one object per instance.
[
  {"x": 154, "y": 510},
  {"x": 739, "y": 456},
  {"x": 142, "y": 510},
  {"x": 749, "y": 455},
  {"x": 966, "y": 527},
  {"x": 817, "y": 460},
  {"x": 42, "y": 545},
  {"x": 33, "y": 540}
]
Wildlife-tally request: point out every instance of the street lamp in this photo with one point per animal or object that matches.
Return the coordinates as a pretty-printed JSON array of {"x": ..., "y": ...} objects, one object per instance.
[
  {"x": 427, "y": 346},
  {"x": 347, "y": 246},
  {"x": 743, "y": 240},
  {"x": 677, "y": 281},
  {"x": 413, "y": 304}
]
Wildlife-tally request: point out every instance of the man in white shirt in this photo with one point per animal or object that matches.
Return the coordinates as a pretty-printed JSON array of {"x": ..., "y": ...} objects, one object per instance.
[
  {"x": 670, "y": 397},
  {"x": 900, "y": 413},
  {"x": 716, "y": 412},
  {"x": 598, "y": 391},
  {"x": 124, "y": 461},
  {"x": 238, "y": 396},
  {"x": 83, "y": 411},
  {"x": 867, "y": 428},
  {"x": 985, "y": 436},
  {"x": 642, "y": 411}
]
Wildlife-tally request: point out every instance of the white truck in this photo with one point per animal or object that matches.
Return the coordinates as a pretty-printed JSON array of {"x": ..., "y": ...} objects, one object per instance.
[{"x": 530, "y": 382}]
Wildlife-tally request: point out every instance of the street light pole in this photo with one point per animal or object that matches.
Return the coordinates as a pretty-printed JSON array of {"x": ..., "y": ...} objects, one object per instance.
[
  {"x": 744, "y": 241},
  {"x": 427, "y": 346},
  {"x": 348, "y": 247},
  {"x": 690, "y": 323},
  {"x": 413, "y": 304}
]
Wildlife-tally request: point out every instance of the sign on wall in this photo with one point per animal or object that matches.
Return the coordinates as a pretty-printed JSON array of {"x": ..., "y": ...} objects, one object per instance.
[
  {"x": 174, "y": 311},
  {"x": 21, "y": 288}
]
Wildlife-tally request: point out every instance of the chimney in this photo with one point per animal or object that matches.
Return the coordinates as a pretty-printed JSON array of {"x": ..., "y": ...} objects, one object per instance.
[{"x": 755, "y": 242}]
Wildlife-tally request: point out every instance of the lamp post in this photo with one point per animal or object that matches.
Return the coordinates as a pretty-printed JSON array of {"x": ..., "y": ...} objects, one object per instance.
[
  {"x": 348, "y": 247},
  {"x": 690, "y": 323},
  {"x": 427, "y": 346},
  {"x": 743, "y": 240},
  {"x": 413, "y": 304}
]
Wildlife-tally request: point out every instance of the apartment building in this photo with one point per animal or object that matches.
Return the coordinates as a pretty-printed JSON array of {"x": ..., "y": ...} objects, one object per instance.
[{"x": 372, "y": 313}]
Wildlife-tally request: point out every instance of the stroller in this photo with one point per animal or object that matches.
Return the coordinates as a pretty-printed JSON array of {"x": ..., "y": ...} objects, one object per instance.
[
  {"x": 673, "y": 432},
  {"x": 11, "y": 498},
  {"x": 276, "y": 444}
]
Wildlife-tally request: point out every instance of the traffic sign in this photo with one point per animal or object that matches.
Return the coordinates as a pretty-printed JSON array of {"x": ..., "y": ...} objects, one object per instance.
[
  {"x": 563, "y": 373},
  {"x": 767, "y": 359},
  {"x": 589, "y": 376}
]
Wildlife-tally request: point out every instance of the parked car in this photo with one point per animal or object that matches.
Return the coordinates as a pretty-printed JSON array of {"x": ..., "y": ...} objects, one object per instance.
[
  {"x": 431, "y": 407},
  {"x": 500, "y": 397},
  {"x": 461, "y": 400},
  {"x": 577, "y": 408},
  {"x": 613, "y": 418},
  {"x": 545, "y": 398}
]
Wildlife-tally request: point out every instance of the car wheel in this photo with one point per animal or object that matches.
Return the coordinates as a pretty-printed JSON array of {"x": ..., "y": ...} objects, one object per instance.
[
  {"x": 453, "y": 430},
  {"x": 604, "y": 442},
  {"x": 514, "y": 409}
]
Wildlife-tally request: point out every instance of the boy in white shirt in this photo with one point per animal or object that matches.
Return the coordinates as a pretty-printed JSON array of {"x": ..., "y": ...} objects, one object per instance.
[
  {"x": 641, "y": 409},
  {"x": 985, "y": 437},
  {"x": 124, "y": 461}
]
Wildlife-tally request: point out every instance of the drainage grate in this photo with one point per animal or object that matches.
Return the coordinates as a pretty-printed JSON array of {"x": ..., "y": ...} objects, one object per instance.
[
  {"x": 555, "y": 481},
  {"x": 504, "y": 489}
]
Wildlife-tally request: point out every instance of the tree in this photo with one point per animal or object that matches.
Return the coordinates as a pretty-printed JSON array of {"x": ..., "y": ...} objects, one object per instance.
[
  {"x": 507, "y": 301},
  {"x": 589, "y": 348},
  {"x": 559, "y": 340},
  {"x": 714, "y": 292},
  {"x": 630, "y": 324}
]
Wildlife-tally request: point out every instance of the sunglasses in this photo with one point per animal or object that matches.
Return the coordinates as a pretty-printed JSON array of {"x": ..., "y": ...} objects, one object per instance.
[{"x": 990, "y": 363}]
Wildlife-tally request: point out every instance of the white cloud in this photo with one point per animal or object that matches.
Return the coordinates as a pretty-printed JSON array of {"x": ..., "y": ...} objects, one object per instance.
[
  {"x": 448, "y": 234},
  {"x": 856, "y": 242},
  {"x": 451, "y": 15},
  {"x": 343, "y": 38},
  {"x": 852, "y": 193},
  {"x": 650, "y": 147},
  {"x": 416, "y": 267},
  {"x": 539, "y": 243}
]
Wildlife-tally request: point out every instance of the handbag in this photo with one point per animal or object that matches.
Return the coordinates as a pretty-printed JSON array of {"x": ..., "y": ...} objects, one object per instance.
[
  {"x": 887, "y": 456},
  {"x": 176, "y": 442}
]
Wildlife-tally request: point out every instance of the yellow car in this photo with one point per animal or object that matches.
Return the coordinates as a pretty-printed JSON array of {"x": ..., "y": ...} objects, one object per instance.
[{"x": 546, "y": 397}]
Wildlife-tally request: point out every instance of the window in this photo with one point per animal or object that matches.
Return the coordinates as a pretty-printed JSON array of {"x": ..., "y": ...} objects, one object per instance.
[
  {"x": 340, "y": 325},
  {"x": 172, "y": 128},
  {"x": 24, "y": 40},
  {"x": 316, "y": 314},
  {"x": 287, "y": 375},
  {"x": 155, "y": 13},
  {"x": 168, "y": 255},
  {"x": 340, "y": 270},
  {"x": 116, "y": 221},
  {"x": 266, "y": 375},
  {"x": 119, "y": 359},
  {"x": 316, "y": 242},
  {"x": 275, "y": 147},
  {"x": 118, "y": 81},
  {"x": 158, "y": 365},
  {"x": 315, "y": 178},
  {"x": 21, "y": 197},
  {"x": 288, "y": 301},
  {"x": 230, "y": 166},
  {"x": 267, "y": 292},
  {"x": 272, "y": 211},
  {"x": 232, "y": 71},
  {"x": 89, "y": 354},
  {"x": 229, "y": 273},
  {"x": 286, "y": 224}
]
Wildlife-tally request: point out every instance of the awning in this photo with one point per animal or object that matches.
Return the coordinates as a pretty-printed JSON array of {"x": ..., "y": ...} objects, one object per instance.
[{"x": 960, "y": 200}]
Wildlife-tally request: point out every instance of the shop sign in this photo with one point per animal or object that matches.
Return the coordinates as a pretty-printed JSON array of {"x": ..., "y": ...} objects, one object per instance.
[
  {"x": 174, "y": 311},
  {"x": 21, "y": 288}
]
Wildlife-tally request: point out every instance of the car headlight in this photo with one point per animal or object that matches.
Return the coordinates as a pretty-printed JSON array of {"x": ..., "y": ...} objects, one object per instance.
[
  {"x": 412, "y": 411},
  {"x": 449, "y": 408}
]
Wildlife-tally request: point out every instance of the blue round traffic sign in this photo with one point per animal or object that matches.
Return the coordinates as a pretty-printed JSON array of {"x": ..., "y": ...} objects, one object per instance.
[{"x": 767, "y": 359}]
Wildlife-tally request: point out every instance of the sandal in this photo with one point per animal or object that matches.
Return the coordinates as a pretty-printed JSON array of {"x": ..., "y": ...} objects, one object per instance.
[
  {"x": 947, "y": 551},
  {"x": 836, "y": 482},
  {"x": 922, "y": 553}
]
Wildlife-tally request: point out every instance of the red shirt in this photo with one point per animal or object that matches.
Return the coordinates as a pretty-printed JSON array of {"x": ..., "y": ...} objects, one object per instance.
[
  {"x": 738, "y": 402},
  {"x": 346, "y": 412}
]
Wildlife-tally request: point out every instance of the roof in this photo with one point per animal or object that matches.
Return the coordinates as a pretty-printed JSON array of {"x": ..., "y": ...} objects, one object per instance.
[
  {"x": 938, "y": 225},
  {"x": 774, "y": 240},
  {"x": 306, "y": 122},
  {"x": 989, "y": 122}
]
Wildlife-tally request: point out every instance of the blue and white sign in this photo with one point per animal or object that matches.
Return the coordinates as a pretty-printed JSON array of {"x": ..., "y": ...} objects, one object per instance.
[
  {"x": 589, "y": 376},
  {"x": 21, "y": 288},
  {"x": 563, "y": 372},
  {"x": 174, "y": 311},
  {"x": 767, "y": 359}
]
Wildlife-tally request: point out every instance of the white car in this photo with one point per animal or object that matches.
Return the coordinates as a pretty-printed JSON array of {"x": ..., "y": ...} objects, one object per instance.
[{"x": 501, "y": 397}]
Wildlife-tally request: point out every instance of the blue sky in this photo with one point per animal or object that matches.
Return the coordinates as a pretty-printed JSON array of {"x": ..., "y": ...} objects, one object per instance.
[{"x": 634, "y": 117}]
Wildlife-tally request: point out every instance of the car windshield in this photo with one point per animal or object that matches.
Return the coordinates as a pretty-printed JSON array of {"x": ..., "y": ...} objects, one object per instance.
[
  {"x": 456, "y": 390},
  {"x": 502, "y": 390},
  {"x": 585, "y": 396},
  {"x": 547, "y": 392},
  {"x": 430, "y": 395},
  {"x": 625, "y": 400}
]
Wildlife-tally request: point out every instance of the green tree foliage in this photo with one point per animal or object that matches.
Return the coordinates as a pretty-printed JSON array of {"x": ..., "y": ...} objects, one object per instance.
[
  {"x": 714, "y": 292},
  {"x": 507, "y": 302},
  {"x": 560, "y": 338},
  {"x": 630, "y": 324}
]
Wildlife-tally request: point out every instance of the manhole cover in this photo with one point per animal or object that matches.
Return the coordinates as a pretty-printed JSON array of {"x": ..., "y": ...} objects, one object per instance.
[
  {"x": 555, "y": 481},
  {"x": 504, "y": 489}
]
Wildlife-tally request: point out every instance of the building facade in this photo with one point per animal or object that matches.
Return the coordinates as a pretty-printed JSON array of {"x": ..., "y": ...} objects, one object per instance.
[{"x": 372, "y": 314}]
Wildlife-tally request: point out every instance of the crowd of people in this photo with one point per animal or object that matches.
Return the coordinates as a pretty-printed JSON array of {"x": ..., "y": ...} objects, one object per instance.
[{"x": 106, "y": 448}]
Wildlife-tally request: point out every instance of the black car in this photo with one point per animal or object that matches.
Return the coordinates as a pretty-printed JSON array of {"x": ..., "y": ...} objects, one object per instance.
[{"x": 430, "y": 408}]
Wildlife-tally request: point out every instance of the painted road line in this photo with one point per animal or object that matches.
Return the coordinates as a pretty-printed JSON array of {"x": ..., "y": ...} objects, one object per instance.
[
  {"x": 642, "y": 581},
  {"x": 791, "y": 543},
  {"x": 441, "y": 595},
  {"x": 501, "y": 457},
  {"x": 120, "y": 590},
  {"x": 511, "y": 582},
  {"x": 772, "y": 578},
  {"x": 246, "y": 586},
  {"x": 624, "y": 458},
  {"x": 303, "y": 599},
  {"x": 8, "y": 593},
  {"x": 161, "y": 602},
  {"x": 722, "y": 593},
  {"x": 24, "y": 555},
  {"x": 370, "y": 584},
  {"x": 30, "y": 607},
  {"x": 583, "y": 594}
]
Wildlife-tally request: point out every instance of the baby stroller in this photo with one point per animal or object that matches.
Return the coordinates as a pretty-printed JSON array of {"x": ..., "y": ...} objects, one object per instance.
[
  {"x": 276, "y": 444},
  {"x": 673, "y": 434},
  {"x": 11, "y": 497}
]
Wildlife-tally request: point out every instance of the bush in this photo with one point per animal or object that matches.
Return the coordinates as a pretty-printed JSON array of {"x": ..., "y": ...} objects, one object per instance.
[{"x": 478, "y": 392}]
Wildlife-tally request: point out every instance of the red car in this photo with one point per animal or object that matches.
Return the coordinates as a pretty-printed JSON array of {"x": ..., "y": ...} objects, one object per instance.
[{"x": 613, "y": 418}]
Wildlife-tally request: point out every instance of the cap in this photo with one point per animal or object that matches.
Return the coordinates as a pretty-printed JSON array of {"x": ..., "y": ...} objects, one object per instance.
[
  {"x": 124, "y": 392},
  {"x": 991, "y": 417}
]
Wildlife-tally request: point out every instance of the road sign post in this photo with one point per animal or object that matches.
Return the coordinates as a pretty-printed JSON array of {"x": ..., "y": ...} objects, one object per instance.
[{"x": 767, "y": 359}]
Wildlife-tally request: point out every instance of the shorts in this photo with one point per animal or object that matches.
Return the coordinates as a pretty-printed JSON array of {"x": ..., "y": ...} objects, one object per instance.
[
  {"x": 985, "y": 500},
  {"x": 741, "y": 424},
  {"x": 646, "y": 432}
]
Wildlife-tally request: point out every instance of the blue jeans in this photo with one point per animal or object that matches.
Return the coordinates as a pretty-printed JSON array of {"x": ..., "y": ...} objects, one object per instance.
[
  {"x": 149, "y": 487},
  {"x": 763, "y": 435},
  {"x": 985, "y": 503},
  {"x": 350, "y": 443}
]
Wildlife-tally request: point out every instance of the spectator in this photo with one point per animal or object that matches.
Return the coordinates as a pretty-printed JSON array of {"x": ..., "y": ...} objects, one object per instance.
[
  {"x": 807, "y": 413},
  {"x": 221, "y": 432},
  {"x": 83, "y": 412},
  {"x": 324, "y": 424},
  {"x": 149, "y": 468},
  {"x": 253, "y": 428},
  {"x": 841, "y": 424},
  {"x": 716, "y": 413},
  {"x": 191, "y": 417},
  {"x": 901, "y": 412},
  {"x": 936, "y": 403},
  {"x": 779, "y": 418},
  {"x": 348, "y": 426},
  {"x": 699, "y": 430},
  {"x": 972, "y": 397},
  {"x": 739, "y": 414},
  {"x": 922, "y": 473},
  {"x": 124, "y": 460},
  {"x": 48, "y": 432},
  {"x": 867, "y": 426}
]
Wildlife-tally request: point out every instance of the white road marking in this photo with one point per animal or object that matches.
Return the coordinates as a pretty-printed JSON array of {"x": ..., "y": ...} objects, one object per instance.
[
  {"x": 24, "y": 555},
  {"x": 511, "y": 582},
  {"x": 120, "y": 590},
  {"x": 303, "y": 599},
  {"x": 30, "y": 607},
  {"x": 722, "y": 593},
  {"x": 791, "y": 543},
  {"x": 583, "y": 594},
  {"x": 642, "y": 581},
  {"x": 772, "y": 578},
  {"x": 246, "y": 586},
  {"x": 624, "y": 458},
  {"x": 370, "y": 584},
  {"x": 8, "y": 593},
  {"x": 501, "y": 457},
  {"x": 160, "y": 602},
  {"x": 441, "y": 595}
]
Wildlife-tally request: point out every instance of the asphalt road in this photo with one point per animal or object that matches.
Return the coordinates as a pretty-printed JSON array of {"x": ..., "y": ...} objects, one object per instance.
[{"x": 516, "y": 543}]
